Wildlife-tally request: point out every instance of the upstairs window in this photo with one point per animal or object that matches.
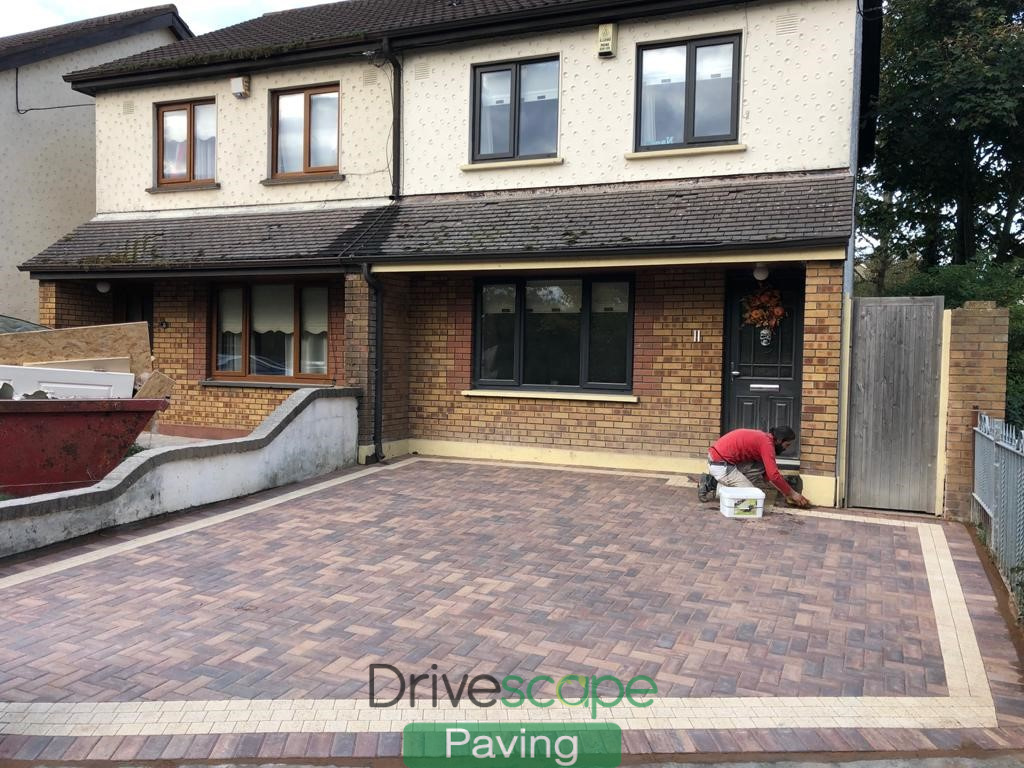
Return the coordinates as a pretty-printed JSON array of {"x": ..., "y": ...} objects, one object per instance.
[
  {"x": 515, "y": 110},
  {"x": 305, "y": 128},
  {"x": 688, "y": 94},
  {"x": 187, "y": 142}
]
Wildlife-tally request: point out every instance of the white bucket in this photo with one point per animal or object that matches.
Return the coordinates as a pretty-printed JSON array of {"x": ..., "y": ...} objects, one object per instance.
[{"x": 740, "y": 502}]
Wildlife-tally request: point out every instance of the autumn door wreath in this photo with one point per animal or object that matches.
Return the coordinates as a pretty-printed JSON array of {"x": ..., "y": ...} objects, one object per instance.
[{"x": 763, "y": 310}]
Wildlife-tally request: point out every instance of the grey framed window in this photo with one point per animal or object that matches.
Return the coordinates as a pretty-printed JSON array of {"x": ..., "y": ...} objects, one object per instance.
[
  {"x": 515, "y": 110},
  {"x": 688, "y": 93},
  {"x": 554, "y": 333}
]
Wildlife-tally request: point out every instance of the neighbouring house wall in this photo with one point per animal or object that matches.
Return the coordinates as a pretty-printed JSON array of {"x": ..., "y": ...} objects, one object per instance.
[
  {"x": 67, "y": 304},
  {"x": 678, "y": 381},
  {"x": 976, "y": 378},
  {"x": 48, "y": 157},
  {"x": 819, "y": 422},
  {"x": 796, "y": 100},
  {"x": 181, "y": 350},
  {"x": 126, "y": 138}
]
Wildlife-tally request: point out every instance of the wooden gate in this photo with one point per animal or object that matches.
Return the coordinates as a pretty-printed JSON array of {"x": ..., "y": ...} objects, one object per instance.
[{"x": 894, "y": 403}]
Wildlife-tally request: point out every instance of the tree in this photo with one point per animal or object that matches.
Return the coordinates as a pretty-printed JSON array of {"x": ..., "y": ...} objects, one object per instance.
[{"x": 948, "y": 183}]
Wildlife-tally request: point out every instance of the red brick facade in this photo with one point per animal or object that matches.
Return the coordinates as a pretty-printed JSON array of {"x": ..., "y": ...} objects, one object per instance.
[
  {"x": 677, "y": 380},
  {"x": 977, "y": 382},
  {"x": 428, "y": 340},
  {"x": 823, "y": 313}
]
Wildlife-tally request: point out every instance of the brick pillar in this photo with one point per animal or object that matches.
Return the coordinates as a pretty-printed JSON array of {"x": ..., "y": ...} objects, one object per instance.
[
  {"x": 47, "y": 302},
  {"x": 977, "y": 381},
  {"x": 359, "y": 327},
  {"x": 396, "y": 358},
  {"x": 819, "y": 420}
]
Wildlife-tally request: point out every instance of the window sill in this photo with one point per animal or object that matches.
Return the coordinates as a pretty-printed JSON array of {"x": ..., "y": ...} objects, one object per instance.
[
  {"x": 272, "y": 182},
  {"x": 182, "y": 188},
  {"x": 716, "y": 149},
  {"x": 534, "y": 395},
  {"x": 254, "y": 384},
  {"x": 494, "y": 166}
]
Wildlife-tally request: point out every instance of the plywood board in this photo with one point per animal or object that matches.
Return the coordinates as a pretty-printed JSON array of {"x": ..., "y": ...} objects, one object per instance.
[
  {"x": 106, "y": 364},
  {"x": 91, "y": 341},
  {"x": 156, "y": 386}
]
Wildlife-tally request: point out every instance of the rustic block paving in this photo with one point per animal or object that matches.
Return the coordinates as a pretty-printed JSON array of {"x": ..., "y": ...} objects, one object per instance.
[{"x": 247, "y": 629}]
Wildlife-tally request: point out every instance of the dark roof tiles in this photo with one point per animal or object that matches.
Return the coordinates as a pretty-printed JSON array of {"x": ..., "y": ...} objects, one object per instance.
[
  {"x": 707, "y": 214},
  {"x": 313, "y": 27},
  {"x": 20, "y": 44}
]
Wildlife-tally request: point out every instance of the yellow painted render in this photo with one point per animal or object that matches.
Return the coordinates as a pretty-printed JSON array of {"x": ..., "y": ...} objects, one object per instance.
[
  {"x": 846, "y": 351},
  {"x": 512, "y": 164},
  {"x": 795, "y": 114},
  {"x": 769, "y": 257},
  {"x": 819, "y": 489},
  {"x": 391, "y": 448},
  {"x": 656, "y": 153},
  {"x": 940, "y": 459},
  {"x": 527, "y": 395}
]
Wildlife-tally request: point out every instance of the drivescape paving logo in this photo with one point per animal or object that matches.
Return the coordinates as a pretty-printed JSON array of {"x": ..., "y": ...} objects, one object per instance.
[
  {"x": 485, "y": 690},
  {"x": 509, "y": 744}
]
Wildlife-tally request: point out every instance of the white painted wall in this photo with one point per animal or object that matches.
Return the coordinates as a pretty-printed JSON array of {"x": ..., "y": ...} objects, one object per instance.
[
  {"x": 796, "y": 95},
  {"x": 126, "y": 131},
  {"x": 49, "y": 181},
  {"x": 312, "y": 433}
]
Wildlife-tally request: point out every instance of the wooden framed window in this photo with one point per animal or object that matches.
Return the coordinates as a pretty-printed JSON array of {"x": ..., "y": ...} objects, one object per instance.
[
  {"x": 515, "y": 110},
  {"x": 688, "y": 93},
  {"x": 554, "y": 333},
  {"x": 186, "y": 142},
  {"x": 270, "y": 331},
  {"x": 305, "y": 131}
]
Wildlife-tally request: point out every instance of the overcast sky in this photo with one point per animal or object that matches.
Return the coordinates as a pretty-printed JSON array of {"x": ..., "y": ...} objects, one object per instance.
[{"x": 200, "y": 15}]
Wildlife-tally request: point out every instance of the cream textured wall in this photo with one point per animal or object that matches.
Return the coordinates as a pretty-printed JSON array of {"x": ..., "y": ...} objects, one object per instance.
[
  {"x": 48, "y": 157},
  {"x": 125, "y": 138},
  {"x": 795, "y": 114}
]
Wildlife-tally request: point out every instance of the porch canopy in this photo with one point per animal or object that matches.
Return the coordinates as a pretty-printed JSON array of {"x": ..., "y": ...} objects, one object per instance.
[{"x": 725, "y": 218}]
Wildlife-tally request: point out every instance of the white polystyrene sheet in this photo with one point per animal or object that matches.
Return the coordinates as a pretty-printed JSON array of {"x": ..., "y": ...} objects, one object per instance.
[{"x": 65, "y": 383}]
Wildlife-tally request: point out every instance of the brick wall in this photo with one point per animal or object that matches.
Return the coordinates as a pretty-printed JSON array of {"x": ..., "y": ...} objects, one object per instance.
[
  {"x": 359, "y": 325},
  {"x": 977, "y": 381},
  {"x": 182, "y": 352},
  {"x": 396, "y": 357},
  {"x": 819, "y": 422},
  {"x": 66, "y": 304},
  {"x": 677, "y": 380}
]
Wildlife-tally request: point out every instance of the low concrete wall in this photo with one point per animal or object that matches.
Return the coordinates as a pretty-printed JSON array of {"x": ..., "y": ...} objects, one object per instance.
[{"x": 313, "y": 432}]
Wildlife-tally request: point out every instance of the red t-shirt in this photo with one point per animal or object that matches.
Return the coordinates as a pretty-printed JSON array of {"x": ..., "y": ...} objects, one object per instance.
[{"x": 751, "y": 445}]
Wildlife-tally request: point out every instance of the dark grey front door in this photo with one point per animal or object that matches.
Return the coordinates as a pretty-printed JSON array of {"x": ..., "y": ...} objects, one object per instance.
[{"x": 762, "y": 380}]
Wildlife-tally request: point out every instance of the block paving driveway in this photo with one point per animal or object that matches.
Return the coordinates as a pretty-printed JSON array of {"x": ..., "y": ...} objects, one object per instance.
[{"x": 246, "y": 630}]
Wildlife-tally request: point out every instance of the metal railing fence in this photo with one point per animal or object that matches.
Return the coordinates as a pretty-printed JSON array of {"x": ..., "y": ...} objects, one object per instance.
[{"x": 998, "y": 501}]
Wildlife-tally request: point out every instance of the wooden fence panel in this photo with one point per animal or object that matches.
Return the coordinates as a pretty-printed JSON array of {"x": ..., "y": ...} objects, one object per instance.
[{"x": 894, "y": 402}]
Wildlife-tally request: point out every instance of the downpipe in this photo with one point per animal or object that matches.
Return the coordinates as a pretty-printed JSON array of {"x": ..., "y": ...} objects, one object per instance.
[{"x": 378, "y": 364}]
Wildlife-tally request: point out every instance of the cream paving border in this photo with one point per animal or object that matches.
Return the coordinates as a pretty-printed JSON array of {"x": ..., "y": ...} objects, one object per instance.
[{"x": 968, "y": 705}]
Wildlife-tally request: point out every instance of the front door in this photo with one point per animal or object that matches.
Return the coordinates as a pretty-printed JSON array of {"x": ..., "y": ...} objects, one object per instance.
[{"x": 762, "y": 370}]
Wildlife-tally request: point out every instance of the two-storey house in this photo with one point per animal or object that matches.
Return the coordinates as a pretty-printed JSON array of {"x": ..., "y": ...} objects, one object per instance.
[
  {"x": 574, "y": 231},
  {"x": 49, "y": 182}
]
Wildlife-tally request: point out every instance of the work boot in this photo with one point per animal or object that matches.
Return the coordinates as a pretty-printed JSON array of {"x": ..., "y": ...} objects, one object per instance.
[{"x": 706, "y": 486}]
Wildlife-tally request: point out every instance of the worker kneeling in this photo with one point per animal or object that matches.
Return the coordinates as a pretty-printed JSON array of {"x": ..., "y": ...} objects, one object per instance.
[{"x": 739, "y": 459}]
